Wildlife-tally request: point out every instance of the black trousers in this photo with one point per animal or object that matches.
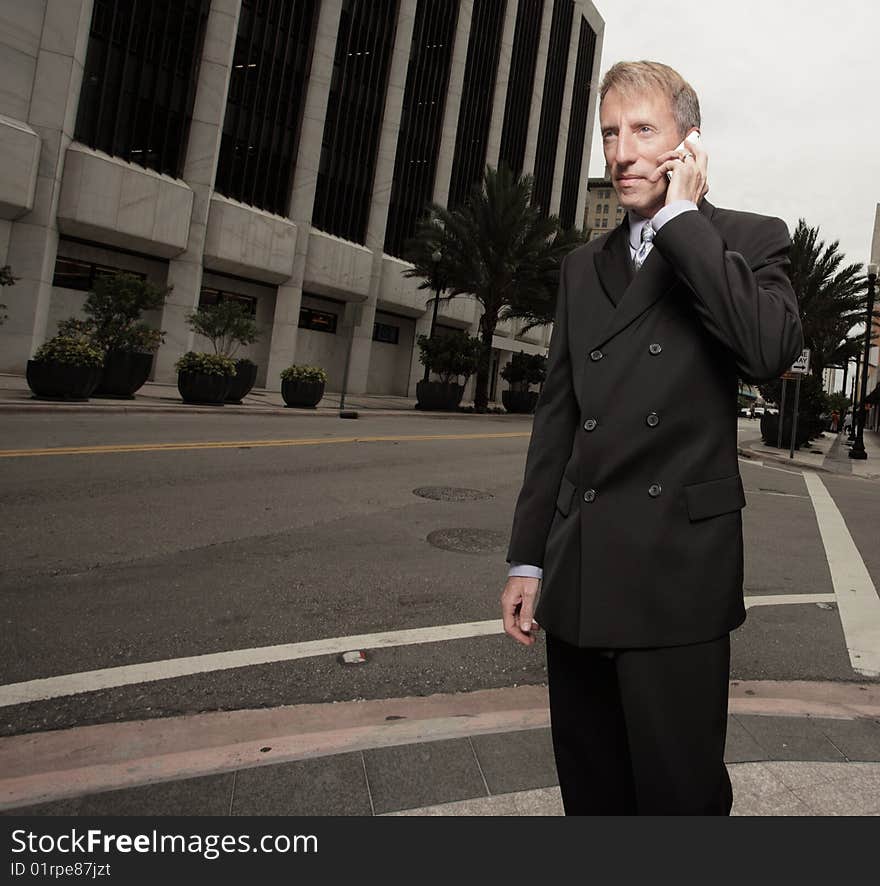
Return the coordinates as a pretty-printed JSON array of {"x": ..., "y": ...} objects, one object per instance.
[{"x": 641, "y": 731}]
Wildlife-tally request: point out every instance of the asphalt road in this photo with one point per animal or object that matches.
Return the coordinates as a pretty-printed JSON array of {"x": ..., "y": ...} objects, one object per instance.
[{"x": 118, "y": 558}]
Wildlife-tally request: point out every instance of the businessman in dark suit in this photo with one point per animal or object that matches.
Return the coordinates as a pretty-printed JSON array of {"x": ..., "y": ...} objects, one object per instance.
[{"x": 629, "y": 516}]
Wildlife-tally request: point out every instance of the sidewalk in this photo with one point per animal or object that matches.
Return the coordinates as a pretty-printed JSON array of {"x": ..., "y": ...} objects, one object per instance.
[
  {"x": 792, "y": 749},
  {"x": 16, "y": 396},
  {"x": 830, "y": 453}
]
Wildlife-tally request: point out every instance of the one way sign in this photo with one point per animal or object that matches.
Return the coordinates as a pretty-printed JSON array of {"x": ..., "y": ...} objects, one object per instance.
[{"x": 801, "y": 366}]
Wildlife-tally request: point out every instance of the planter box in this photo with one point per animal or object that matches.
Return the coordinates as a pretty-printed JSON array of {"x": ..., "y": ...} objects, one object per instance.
[
  {"x": 198, "y": 387},
  {"x": 770, "y": 431},
  {"x": 302, "y": 394},
  {"x": 124, "y": 373},
  {"x": 436, "y": 395},
  {"x": 60, "y": 381},
  {"x": 242, "y": 382},
  {"x": 520, "y": 401}
]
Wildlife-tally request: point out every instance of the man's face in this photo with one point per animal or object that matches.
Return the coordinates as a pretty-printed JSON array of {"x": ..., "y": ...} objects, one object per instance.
[{"x": 636, "y": 129}]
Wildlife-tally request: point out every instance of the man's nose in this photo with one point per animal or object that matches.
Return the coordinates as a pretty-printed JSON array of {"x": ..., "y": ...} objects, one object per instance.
[{"x": 626, "y": 148}]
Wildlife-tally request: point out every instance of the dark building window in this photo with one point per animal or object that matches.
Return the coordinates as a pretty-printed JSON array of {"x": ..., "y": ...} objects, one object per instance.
[
  {"x": 71, "y": 273},
  {"x": 139, "y": 81},
  {"x": 515, "y": 131},
  {"x": 267, "y": 84},
  {"x": 387, "y": 333},
  {"x": 210, "y": 297},
  {"x": 551, "y": 105},
  {"x": 477, "y": 91},
  {"x": 320, "y": 321},
  {"x": 577, "y": 127},
  {"x": 354, "y": 117},
  {"x": 424, "y": 100}
]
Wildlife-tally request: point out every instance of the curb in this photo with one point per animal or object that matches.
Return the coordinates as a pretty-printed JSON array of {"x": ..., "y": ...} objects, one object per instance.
[{"x": 754, "y": 455}]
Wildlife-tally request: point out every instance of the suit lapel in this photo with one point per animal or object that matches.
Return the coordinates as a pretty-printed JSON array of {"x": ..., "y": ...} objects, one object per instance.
[
  {"x": 632, "y": 293},
  {"x": 613, "y": 263}
]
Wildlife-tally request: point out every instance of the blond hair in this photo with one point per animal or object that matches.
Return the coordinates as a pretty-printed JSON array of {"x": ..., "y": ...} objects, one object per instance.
[{"x": 629, "y": 78}]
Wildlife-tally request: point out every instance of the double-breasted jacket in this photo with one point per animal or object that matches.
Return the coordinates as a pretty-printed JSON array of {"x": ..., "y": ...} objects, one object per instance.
[{"x": 631, "y": 496}]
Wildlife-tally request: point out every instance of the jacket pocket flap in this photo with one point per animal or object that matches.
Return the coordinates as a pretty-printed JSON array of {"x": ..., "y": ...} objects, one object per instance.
[
  {"x": 566, "y": 493},
  {"x": 714, "y": 497}
]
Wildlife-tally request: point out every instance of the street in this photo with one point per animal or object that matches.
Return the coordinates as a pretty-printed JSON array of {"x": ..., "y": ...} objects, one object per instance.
[{"x": 189, "y": 561}]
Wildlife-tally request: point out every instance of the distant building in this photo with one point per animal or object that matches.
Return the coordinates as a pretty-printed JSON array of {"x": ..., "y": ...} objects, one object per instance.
[
  {"x": 603, "y": 210},
  {"x": 278, "y": 153}
]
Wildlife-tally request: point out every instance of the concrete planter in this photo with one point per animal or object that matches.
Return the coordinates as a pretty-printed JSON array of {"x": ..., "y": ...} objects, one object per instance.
[
  {"x": 302, "y": 394},
  {"x": 241, "y": 384},
  {"x": 438, "y": 396},
  {"x": 50, "y": 380},
  {"x": 124, "y": 373},
  {"x": 199, "y": 387}
]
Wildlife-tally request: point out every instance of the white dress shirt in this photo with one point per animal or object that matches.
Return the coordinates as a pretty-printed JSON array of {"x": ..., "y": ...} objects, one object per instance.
[{"x": 636, "y": 223}]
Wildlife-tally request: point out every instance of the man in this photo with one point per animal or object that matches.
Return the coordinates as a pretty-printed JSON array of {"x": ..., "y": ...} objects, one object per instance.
[{"x": 629, "y": 513}]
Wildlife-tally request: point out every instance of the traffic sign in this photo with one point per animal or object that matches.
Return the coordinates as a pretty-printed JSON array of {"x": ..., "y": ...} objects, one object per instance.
[{"x": 801, "y": 366}]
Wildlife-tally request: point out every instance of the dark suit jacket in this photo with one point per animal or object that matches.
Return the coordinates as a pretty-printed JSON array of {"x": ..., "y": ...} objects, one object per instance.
[{"x": 631, "y": 493}]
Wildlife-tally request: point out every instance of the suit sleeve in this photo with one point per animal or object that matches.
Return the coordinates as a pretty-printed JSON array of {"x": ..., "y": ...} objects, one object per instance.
[
  {"x": 744, "y": 299},
  {"x": 553, "y": 430}
]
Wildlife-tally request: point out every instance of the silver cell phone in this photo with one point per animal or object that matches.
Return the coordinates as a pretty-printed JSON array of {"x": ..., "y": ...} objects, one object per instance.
[{"x": 693, "y": 137}]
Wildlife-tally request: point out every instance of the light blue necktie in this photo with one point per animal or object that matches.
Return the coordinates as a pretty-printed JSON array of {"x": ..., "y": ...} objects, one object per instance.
[{"x": 644, "y": 246}]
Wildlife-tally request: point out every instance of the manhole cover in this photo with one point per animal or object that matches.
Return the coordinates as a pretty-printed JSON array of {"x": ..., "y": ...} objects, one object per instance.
[
  {"x": 451, "y": 493},
  {"x": 469, "y": 541}
]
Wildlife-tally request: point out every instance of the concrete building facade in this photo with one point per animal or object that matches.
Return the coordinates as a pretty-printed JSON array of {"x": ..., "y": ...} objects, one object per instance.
[
  {"x": 602, "y": 210},
  {"x": 279, "y": 153}
]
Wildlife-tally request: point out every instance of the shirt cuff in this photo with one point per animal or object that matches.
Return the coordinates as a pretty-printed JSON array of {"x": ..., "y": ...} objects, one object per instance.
[
  {"x": 667, "y": 213},
  {"x": 523, "y": 570}
]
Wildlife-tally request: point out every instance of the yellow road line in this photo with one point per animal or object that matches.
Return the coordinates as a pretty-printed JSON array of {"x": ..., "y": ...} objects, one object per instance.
[{"x": 235, "y": 444}]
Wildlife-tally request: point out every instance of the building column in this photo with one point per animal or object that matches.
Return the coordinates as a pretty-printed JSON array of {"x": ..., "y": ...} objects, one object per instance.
[
  {"x": 443, "y": 177},
  {"x": 59, "y": 51},
  {"x": 598, "y": 26},
  {"x": 538, "y": 89},
  {"x": 362, "y": 333},
  {"x": 417, "y": 369},
  {"x": 502, "y": 81},
  {"x": 199, "y": 169},
  {"x": 285, "y": 326},
  {"x": 565, "y": 113}
]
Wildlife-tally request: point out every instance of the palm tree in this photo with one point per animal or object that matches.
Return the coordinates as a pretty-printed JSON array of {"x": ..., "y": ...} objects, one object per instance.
[
  {"x": 497, "y": 247},
  {"x": 832, "y": 299}
]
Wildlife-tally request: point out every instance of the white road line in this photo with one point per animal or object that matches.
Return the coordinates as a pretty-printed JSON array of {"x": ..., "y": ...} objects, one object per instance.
[
  {"x": 857, "y": 599},
  {"x": 787, "y": 599},
  {"x": 128, "y": 675}
]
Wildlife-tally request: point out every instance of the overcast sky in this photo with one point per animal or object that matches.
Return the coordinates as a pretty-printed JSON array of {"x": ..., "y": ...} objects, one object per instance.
[{"x": 790, "y": 100}]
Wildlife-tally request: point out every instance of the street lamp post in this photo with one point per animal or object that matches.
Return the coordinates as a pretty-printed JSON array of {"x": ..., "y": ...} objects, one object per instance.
[
  {"x": 858, "y": 448},
  {"x": 436, "y": 255},
  {"x": 851, "y": 438}
]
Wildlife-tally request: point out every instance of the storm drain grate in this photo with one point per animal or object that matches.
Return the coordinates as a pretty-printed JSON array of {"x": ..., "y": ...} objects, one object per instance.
[
  {"x": 469, "y": 541},
  {"x": 451, "y": 493}
]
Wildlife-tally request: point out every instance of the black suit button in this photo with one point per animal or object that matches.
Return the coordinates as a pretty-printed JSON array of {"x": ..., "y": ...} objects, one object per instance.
[
  {"x": 590, "y": 424},
  {"x": 654, "y": 490},
  {"x": 655, "y": 348},
  {"x": 590, "y": 495},
  {"x": 653, "y": 420},
  {"x": 596, "y": 355}
]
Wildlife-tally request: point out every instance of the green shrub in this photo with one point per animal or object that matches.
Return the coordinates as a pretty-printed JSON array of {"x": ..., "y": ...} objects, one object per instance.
[
  {"x": 114, "y": 307},
  {"x": 226, "y": 325},
  {"x": 451, "y": 355},
  {"x": 304, "y": 373},
  {"x": 207, "y": 364},
  {"x": 524, "y": 369},
  {"x": 73, "y": 350}
]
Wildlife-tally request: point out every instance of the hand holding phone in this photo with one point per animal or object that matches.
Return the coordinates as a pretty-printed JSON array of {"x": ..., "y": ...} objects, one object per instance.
[{"x": 693, "y": 137}]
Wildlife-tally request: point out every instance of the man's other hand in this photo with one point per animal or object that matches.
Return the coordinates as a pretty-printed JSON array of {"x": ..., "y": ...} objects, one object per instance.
[{"x": 518, "y": 608}]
